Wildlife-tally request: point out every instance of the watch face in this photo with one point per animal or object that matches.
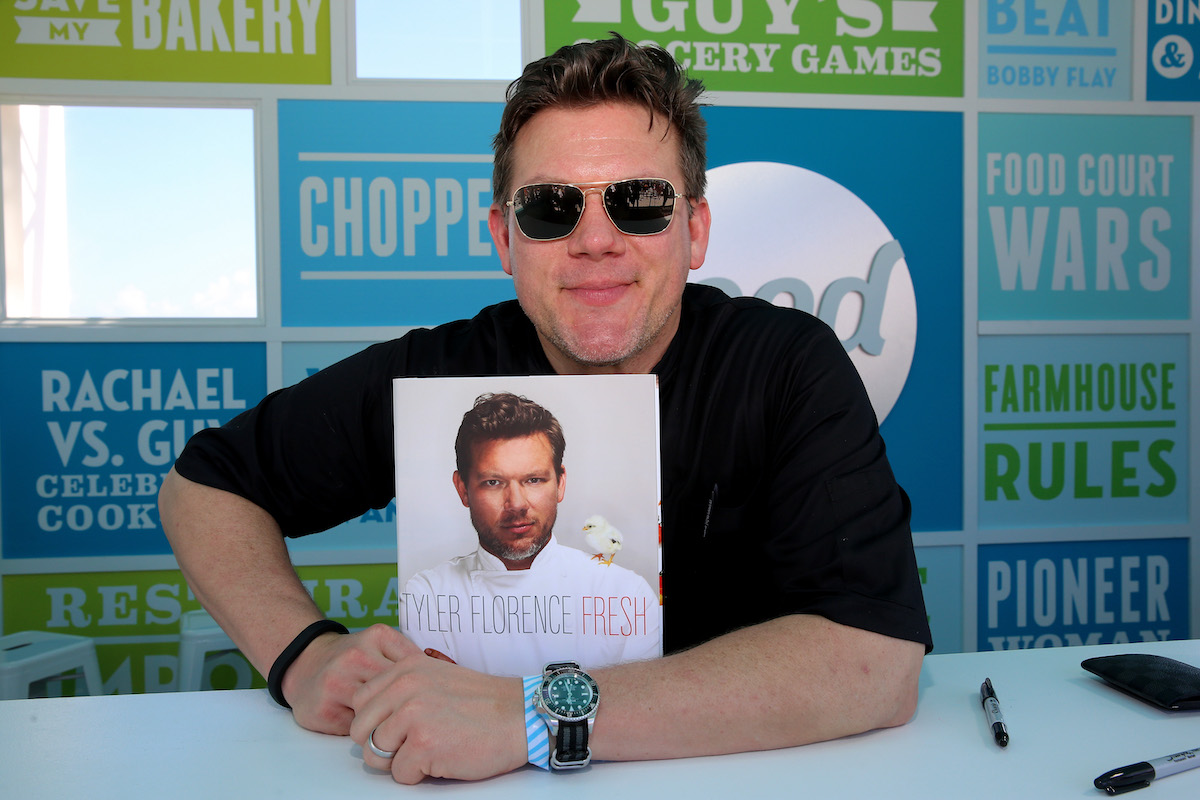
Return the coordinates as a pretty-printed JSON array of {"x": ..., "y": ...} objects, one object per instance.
[{"x": 570, "y": 696}]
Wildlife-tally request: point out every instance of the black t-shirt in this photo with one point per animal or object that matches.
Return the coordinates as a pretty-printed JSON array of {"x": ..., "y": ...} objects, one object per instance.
[{"x": 777, "y": 494}]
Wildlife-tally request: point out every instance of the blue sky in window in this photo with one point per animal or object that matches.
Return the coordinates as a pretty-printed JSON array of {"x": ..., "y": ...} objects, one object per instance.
[
  {"x": 161, "y": 213},
  {"x": 460, "y": 39}
]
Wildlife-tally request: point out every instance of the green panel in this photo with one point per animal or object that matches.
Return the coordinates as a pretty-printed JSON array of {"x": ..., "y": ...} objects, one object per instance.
[
  {"x": 134, "y": 618},
  {"x": 844, "y": 47},
  {"x": 167, "y": 40},
  {"x": 97, "y": 603}
]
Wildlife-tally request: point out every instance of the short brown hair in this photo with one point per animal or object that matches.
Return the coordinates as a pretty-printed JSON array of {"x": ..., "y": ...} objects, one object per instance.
[
  {"x": 505, "y": 416},
  {"x": 604, "y": 71}
]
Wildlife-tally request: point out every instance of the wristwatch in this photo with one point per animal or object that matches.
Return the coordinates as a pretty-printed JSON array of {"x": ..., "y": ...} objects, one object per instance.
[{"x": 566, "y": 702}]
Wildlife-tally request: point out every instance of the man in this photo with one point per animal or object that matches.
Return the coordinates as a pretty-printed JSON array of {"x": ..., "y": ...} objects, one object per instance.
[
  {"x": 522, "y": 600},
  {"x": 777, "y": 495}
]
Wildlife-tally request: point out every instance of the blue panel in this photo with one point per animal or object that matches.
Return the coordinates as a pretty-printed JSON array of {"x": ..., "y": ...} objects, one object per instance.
[
  {"x": 919, "y": 199},
  {"x": 88, "y": 430},
  {"x": 383, "y": 212},
  {"x": 1072, "y": 593},
  {"x": 1084, "y": 217}
]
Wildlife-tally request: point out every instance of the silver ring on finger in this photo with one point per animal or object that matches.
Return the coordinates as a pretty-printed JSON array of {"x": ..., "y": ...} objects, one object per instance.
[{"x": 374, "y": 748}]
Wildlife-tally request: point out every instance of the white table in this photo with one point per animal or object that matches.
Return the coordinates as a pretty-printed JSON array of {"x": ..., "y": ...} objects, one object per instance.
[{"x": 1067, "y": 727}]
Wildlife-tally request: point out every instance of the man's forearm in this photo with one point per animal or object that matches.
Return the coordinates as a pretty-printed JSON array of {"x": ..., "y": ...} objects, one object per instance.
[
  {"x": 790, "y": 681},
  {"x": 233, "y": 557},
  {"x": 787, "y": 682}
]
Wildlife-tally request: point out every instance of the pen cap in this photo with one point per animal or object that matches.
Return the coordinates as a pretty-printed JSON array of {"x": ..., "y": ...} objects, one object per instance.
[
  {"x": 1113, "y": 788},
  {"x": 1126, "y": 779}
]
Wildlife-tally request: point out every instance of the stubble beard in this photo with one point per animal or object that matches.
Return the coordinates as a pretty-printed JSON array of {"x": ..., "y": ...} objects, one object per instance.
[
  {"x": 498, "y": 544},
  {"x": 606, "y": 351}
]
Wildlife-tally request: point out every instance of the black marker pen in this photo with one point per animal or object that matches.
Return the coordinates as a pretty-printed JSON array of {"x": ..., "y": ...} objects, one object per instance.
[
  {"x": 1139, "y": 775},
  {"x": 991, "y": 707}
]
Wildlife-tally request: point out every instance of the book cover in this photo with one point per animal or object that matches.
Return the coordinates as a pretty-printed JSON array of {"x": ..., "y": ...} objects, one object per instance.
[{"x": 527, "y": 517}]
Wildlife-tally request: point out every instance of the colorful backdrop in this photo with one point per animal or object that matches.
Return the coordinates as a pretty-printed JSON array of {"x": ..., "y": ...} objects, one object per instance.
[{"x": 994, "y": 203}]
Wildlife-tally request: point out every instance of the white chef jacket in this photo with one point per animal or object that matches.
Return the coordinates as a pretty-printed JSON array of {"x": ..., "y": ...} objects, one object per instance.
[{"x": 566, "y": 606}]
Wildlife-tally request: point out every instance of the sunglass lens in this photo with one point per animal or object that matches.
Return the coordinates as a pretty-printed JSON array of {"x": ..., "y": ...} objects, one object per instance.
[
  {"x": 640, "y": 207},
  {"x": 548, "y": 210}
]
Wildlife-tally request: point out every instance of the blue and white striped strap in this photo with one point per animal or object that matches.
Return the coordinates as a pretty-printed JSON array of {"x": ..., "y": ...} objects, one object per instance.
[{"x": 537, "y": 735}]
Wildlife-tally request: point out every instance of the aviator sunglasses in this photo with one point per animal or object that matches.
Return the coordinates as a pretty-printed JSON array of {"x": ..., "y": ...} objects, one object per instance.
[{"x": 638, "y": 206}]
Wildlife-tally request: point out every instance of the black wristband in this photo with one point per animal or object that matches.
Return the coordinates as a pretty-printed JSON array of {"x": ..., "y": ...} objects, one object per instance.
[{"x": 293, "y": 651}]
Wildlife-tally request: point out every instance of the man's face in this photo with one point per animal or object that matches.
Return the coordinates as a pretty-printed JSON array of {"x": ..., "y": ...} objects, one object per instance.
[
  {"x": 513, "y": 493},
  {"x": 601, "y": 300}
]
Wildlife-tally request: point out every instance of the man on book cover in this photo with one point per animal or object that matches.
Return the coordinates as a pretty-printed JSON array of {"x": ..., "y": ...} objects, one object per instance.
[{"x": 522, "y": 599}]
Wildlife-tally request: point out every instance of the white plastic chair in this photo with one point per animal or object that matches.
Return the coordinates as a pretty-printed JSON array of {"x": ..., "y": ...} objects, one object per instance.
[
  {"x": 30, "y": 656},
  {"x": 199, "y": 635}
]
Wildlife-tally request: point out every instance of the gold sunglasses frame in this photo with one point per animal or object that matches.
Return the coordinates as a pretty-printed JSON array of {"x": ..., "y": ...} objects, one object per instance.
[{"x": 593, "y": 187}]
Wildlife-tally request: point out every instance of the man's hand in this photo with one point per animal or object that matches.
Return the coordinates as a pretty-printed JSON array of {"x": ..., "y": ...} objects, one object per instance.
[
  {"x": 442, "y": 720},
  {"x": 321, "y": 683}
]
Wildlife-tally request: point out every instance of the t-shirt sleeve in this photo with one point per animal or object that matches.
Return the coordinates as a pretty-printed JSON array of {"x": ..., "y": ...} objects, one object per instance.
[
  {"x": 787, "y": 504},
  {"x": 313, "y": 455},
  {"x": 839, "y": 539}
]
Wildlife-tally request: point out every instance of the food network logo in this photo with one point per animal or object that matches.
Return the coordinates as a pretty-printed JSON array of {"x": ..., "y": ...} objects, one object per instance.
[{"x": 816, "y": 246}]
